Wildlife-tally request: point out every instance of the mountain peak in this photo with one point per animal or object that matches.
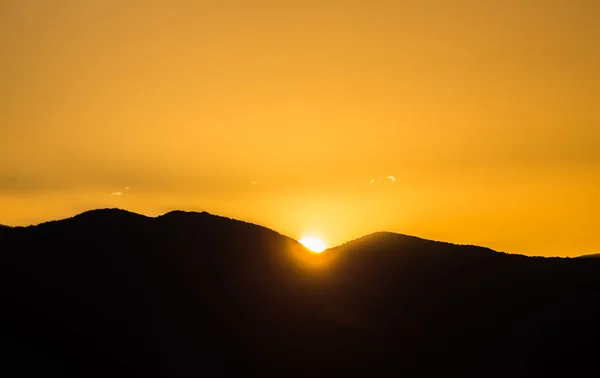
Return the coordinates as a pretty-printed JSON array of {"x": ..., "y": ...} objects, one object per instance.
[
  {"x": 111, "y": 210},
  {"x": 395, "y": 242},
  {"x": 383, "y": 237},
  {"x": 107, "y": 213},
  {"x": 179, "y": 213}
]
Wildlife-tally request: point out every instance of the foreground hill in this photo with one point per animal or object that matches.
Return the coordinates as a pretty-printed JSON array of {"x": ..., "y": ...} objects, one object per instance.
[
  {"x": 469, "y": 309},
  {"x": 193, "y": 294}
]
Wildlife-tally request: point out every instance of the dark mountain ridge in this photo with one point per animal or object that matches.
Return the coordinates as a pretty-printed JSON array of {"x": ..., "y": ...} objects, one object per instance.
[
  {"x": 192, "y": 294},
  {"x": 590, "y": 256}
]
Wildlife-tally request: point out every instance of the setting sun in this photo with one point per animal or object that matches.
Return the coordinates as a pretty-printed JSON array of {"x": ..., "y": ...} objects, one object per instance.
[{"x": 314, "y": 244}]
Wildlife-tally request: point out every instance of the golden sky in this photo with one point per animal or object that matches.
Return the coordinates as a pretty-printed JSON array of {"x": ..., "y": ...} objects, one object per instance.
[{"x": 486, "y": 113}]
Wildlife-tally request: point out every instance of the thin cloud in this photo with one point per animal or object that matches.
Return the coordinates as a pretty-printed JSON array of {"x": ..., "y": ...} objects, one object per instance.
[
  {"x": 254, "y": 182},
  {"x": 383, "y": 178},
  {"x": 119, "y": 194}
]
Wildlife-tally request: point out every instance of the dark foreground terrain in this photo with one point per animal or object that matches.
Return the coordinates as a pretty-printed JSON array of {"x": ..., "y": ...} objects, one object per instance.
[{"x": 112, "y": 293}]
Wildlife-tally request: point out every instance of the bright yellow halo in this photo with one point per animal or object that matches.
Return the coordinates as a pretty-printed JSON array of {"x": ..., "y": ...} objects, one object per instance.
[{"x": 314, "y": 244}]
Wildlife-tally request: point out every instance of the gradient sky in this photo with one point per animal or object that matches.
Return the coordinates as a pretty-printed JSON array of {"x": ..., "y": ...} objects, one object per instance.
[{"x": 486, "y": 113}]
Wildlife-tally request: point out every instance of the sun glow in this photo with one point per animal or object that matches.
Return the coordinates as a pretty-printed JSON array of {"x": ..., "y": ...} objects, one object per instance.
[{"x": 314, "y": 244}]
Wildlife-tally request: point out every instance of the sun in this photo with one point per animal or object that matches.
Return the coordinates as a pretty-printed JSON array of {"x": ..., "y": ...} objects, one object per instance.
[{"x": 314, "y": 244}]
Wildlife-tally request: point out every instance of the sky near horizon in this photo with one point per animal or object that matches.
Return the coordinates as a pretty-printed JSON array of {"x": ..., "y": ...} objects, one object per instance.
[{"x": 469, "y": 121}]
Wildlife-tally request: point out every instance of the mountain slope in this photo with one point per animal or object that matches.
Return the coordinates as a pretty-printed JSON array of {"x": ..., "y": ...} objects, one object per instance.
[
  {"x": 469, "y": 309},
  {"x": 121, "y": 287},
  {"x": 193, "y": 294},
  {"x": 590, "y": 256}
]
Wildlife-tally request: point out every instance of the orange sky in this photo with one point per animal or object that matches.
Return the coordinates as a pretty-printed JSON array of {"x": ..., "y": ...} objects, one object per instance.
[{"x": 487, "y": 114}]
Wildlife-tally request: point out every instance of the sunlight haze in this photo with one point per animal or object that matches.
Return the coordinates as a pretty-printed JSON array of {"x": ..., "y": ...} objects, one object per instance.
[
  {"x": 474, "y": 122},
  {"x": 314, "y": 244}
]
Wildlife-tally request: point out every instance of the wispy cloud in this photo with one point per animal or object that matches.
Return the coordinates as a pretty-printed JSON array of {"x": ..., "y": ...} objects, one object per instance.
[
  {"x": 119, "y": 193},
  {"x": 254, "y": 182},
  {"x": 383, "y": 178}
]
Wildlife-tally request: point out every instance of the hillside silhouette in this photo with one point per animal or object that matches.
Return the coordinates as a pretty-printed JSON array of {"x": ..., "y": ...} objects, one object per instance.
[
  {"x": 590, "y": 256},
  {"x": 193, "y": 294}
]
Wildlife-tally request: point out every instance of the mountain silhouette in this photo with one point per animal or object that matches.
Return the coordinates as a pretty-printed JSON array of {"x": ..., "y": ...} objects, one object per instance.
[
  {"x": 590, "y": 256},
  {"x": 192, "y": 294}
]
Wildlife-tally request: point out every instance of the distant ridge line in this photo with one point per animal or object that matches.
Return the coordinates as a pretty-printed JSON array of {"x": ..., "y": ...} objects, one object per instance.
[{"x": 179, "y": 213}]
